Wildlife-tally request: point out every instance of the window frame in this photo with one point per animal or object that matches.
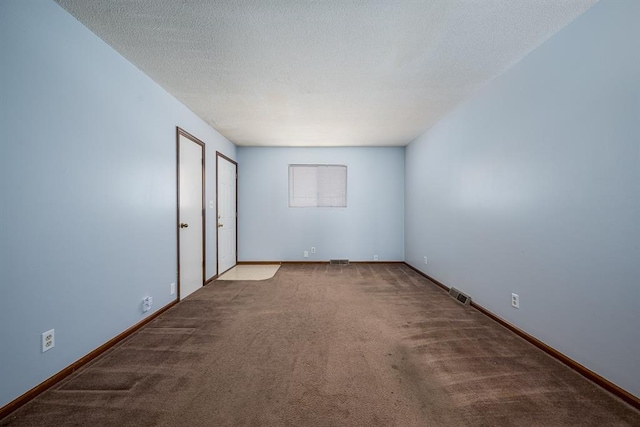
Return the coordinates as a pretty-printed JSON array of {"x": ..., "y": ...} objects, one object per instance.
[{"x": 292, "y": 166}]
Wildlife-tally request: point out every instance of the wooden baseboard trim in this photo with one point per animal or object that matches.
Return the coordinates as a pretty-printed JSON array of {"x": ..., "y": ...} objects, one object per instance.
[
  {"x": 211, "y": 279},
  {"x": 26, "y": 397},
  {"x": 258, "y": 263},
  {"x": 280, "y": 262},
  {"x": 376, "y": 262},
  {"x": 303, "y": 262},
  {"x": 426, "y": 276},
  {"x": 314, "y": 262},
  {"x": 581, "y": 369}
]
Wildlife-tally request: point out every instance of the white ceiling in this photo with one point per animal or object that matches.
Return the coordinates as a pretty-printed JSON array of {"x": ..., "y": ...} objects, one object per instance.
[{"x": 323, "y": 73}]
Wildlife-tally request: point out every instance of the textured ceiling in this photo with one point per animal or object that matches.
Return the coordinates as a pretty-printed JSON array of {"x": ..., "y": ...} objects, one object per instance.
[{"x": 323, "y": 73}]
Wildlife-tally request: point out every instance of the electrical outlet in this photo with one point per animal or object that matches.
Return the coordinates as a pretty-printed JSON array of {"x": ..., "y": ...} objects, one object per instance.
[
  {"x": 306, "y": 254},
  {"x": 515, "y": 300},
  {"x": 425, "y": 260},
  {"x": 313, "y": 249},
  {"x": 375, "y": 257},
  {"x": 146, "y": 304},
  {"x": 172, "y": 289},
  {"x": 48, "y": 340}
]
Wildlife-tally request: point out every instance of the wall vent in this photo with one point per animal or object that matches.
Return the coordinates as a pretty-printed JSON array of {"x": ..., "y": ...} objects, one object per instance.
[
  {"x": 459, "y": 296},
  {"x": 339, "y": 261}
]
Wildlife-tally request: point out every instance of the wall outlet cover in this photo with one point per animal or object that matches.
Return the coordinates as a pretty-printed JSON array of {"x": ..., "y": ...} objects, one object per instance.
[
  {"x": 515, "y": 300},
  {"x": 146, "y": 304},
  {"x": 48, "y": 340}
]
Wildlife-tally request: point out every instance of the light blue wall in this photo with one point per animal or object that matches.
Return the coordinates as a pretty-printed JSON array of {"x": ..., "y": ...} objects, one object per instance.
[
  {"x": 372, "y": 222},
  {"x": 88, "y": 191},
  {"x": 533, "y": 187}
]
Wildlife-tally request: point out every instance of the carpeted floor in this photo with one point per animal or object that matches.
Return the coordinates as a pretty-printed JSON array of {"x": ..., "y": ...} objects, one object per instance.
[{"x": 320, "y": 345}]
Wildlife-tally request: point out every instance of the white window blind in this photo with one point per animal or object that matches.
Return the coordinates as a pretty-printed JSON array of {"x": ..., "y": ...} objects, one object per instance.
[{"x": 317, "y": 186}]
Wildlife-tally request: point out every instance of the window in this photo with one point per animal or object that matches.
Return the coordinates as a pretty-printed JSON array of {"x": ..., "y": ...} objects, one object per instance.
[{"x": 313, "y": 186}]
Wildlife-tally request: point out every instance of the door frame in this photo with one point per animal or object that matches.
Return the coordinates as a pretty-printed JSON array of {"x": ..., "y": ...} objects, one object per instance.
[
  {"x": 182, "y": 132},
  {"x": 218, "y": 156}
]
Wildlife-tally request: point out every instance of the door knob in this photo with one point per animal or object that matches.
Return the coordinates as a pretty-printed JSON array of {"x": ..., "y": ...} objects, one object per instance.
[
  {"x": 220, "y": 225},
  {"x": 183, "y": 225}
]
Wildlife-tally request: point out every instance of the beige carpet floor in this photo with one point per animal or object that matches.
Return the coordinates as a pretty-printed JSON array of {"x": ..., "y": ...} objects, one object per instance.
[{"x": 321, "y": 345}]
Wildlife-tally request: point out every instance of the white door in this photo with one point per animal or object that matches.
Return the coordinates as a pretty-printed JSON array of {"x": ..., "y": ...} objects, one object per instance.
[
  {"x": 190, "y": 214},
  {"x": 226, "y": 211}
]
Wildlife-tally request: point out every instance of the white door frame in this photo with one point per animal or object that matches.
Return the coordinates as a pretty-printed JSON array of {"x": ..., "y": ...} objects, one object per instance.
[
  {"x": 181, "y": 132},
  {"x": 218, "y": 156}
]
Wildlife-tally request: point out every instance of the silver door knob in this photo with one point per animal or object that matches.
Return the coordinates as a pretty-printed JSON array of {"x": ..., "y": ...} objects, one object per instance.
[{"x": 183, "y": 225}]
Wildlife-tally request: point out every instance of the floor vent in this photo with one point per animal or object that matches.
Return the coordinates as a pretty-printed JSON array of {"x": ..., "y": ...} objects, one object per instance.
[
  {"x": 459, "y": 296},
  {"x": 339, "y": 261}
]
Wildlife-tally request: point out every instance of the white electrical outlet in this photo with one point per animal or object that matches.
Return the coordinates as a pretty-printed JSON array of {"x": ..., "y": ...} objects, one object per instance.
[
  {"x": 425, "y": 260},
  {"x": 515, "y": 300},
  {"x": 146, "y": 304},
  {"x": 48, "y": 340},
  {"x": 172, "y": 289},
  {"x": 375, "y": 257},
  {"x": 313, "y": 249},
  {"x": 306, "y": 254}
]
